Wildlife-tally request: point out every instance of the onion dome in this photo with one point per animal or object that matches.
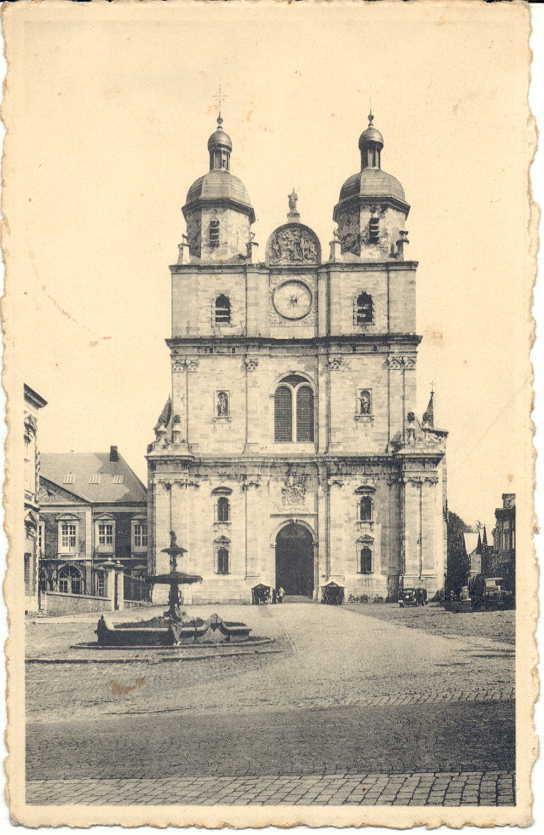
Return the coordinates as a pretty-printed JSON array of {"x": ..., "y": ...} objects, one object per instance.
[
  {"x": 219, "y": 139},
  {"x": 219, "y": 187},
  {"x": 370, "y": 136},
  {"x": 371, "y": 183}
]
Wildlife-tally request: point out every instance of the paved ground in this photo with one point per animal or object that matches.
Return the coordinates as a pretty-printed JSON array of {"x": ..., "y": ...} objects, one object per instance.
[
  {"x": 497, "y": 626},
  {"x": 350, "y": 694},
  {"x": 413, "y": 789}
]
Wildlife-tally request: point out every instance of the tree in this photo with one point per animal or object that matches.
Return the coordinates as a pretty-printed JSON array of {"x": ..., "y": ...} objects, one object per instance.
[{"x": 458, "y": 562}]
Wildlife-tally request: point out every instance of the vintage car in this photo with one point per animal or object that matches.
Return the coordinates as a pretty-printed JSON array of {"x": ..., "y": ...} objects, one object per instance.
[
  {"x": 496, "y": 595},
  {"x": 412, "y": 597},
  {"x": 332, "y": 594}
]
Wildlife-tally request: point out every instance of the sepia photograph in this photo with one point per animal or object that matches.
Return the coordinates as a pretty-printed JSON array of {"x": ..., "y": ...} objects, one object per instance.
[{"x": 267, "y": 363}]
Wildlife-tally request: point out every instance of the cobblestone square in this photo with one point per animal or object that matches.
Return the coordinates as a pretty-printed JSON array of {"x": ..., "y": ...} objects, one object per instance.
[{"x": 353, "y": 709}]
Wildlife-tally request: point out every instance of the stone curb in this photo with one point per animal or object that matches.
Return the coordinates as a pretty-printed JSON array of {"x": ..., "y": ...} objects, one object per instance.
[{"x": 152, "y": 660}]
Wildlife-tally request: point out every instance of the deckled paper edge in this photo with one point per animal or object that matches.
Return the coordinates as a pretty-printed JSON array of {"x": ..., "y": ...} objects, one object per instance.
[{"x": 215, "y": 817}]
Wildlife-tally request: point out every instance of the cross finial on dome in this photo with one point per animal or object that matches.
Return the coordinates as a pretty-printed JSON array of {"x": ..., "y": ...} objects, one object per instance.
[
  {"x": 370, "y": 117},
  {"x": 219, "y": 100}
]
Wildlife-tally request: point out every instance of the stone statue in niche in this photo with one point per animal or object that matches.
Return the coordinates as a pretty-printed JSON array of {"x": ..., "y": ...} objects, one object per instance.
[
  {"x": 364, "y": 402},
  {"x": 294, "y": 244},
  {"x": 222, "y": 404},
  {"x": 294, "y": 489}
]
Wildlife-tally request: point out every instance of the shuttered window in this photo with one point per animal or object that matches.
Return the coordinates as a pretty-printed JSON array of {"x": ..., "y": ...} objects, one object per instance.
[
  {"x": 305, "y": 414},
  {"x": 222, "y": 310},
  {"x": 366, "y": 561},
  {"x": 283, "y": 414}
]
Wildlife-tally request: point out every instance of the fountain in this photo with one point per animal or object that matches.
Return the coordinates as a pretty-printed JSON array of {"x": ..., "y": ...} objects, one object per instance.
[
  {"x": 170, "y": 629},
  {"x": 174, "y": 579}
]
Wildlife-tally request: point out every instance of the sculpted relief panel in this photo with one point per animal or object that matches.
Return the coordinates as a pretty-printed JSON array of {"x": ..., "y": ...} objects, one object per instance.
[
  {"x": 293, "y": 243},
  {"x": 348, "y": 232},
  {"x": 194, "y": 234}
]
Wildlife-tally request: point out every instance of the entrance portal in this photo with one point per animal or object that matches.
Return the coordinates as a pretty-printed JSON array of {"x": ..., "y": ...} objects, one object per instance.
[{"x": 295, "y": 560}]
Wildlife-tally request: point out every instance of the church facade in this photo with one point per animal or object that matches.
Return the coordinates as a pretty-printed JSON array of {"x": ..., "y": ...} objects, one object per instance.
[{"x": 289, "y": 451}]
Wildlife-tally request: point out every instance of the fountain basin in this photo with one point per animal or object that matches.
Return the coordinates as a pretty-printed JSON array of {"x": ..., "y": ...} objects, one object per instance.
[{"x": 162, "y": 632}]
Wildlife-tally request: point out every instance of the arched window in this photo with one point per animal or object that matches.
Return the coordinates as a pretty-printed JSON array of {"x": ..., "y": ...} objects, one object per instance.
[
  {"x": 365, "y": 565},
  {"x": 283, "y": 414},
  {"x": 305, "y": 414},
  {"x": 213, "y": 239},
  {"x": 222, "y": 310},
  {"x": 364, "y": 309},
  {"x": 70, "y": 581},
  {"x": 294, "y": 410},
  {"x": 223, "y": 509},
  {"x": 222, "y": 560},
  {"x": 365, "y": 509}
]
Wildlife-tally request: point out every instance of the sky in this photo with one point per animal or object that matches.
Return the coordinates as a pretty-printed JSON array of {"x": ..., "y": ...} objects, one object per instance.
[{"x": 111, "y": 127}]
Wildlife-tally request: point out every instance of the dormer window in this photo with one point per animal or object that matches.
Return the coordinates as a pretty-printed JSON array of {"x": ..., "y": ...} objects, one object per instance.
[
  {"x": 213, "y": 238},
  {"x": 222, "y": 310}
]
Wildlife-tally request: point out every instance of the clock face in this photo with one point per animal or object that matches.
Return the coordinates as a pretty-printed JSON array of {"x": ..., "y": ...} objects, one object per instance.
[{"x": 292, "y": 300}]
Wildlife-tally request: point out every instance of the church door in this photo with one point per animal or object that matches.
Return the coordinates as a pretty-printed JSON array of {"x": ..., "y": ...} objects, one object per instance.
[{"x": 295, "y": 560}]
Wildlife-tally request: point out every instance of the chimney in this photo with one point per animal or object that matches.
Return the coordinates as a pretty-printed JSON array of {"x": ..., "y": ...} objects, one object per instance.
[{"x": 114, "y": 454}]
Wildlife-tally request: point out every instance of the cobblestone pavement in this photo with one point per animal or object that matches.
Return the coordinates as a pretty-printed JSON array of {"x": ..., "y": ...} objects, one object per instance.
[
  {"x": 350, "y": 697},
  {"x": 472, "y": 788},
  {"x": 331, "y": 656}
]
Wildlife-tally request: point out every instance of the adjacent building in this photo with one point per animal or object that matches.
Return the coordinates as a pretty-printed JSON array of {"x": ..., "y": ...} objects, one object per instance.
[
  {"x": 289, "y": 450},
  {"x": 93, "y": 512},
  {"x": 504, "y": 539},
  {"x": 33, "y": 402}
]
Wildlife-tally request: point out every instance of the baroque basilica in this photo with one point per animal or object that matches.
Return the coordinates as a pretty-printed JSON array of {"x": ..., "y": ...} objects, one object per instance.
[{"x": 289, "y": 451}]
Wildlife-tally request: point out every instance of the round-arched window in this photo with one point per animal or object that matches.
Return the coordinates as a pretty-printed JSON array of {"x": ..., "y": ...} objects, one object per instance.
[{"x": 294, "y": 410}]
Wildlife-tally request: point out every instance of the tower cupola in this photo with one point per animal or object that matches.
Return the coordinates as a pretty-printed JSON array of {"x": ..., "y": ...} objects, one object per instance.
[
  {"x": 220, "y": 147},
  {"x": 370, "y": 145},
  {"x": 372, "y": 209},
  {"x": 218, "y": 208}
]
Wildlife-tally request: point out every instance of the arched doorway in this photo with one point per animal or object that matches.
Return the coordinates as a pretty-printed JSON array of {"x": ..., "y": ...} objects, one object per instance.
[{"x": 295, "y": 560}]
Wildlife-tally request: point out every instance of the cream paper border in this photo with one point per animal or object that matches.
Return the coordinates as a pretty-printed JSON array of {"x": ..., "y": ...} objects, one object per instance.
[{"x": 515, "y": 15}]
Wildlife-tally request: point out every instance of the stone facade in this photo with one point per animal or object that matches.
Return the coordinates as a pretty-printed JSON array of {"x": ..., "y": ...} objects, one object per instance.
[
  {"x": 93, "y": 514},
  {"x": 504, "y": 539},
  {"x": 33, "y": 402},
  {"x": 289, "y": 451}
]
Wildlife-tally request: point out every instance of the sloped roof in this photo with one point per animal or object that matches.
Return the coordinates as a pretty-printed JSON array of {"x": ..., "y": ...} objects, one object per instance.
[{"x": 83, "y": 466}]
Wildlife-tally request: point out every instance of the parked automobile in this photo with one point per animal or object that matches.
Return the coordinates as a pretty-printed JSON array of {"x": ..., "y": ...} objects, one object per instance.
[
  {"x": 496, "y": 594},
  {"x": 412, "y": 597}
]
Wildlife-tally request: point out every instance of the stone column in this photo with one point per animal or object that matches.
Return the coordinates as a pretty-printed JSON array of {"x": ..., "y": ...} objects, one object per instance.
[
  {"x": 323, "y": 520},
  {"x": 183, "y": 519},
  {"x": 114, "y": 584},
  {"x": 252, "y": 398},
  {"x": 251, "y": 488},
  {"x": 182, "y": 367},
  {"x": 161, "y": 539},
  {"x": 412, "y": 524}
]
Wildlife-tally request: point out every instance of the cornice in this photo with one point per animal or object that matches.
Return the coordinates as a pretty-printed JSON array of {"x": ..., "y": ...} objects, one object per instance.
[
  {"x": 325, "y": 341},
  {"x": 244, "y": 267},
  {"x": 223, "y": 202},
  {"x": 371, "y": 200}
]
